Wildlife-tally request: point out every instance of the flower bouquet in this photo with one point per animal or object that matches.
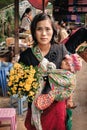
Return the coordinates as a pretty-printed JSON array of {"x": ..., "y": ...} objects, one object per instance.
[{"x": 23, "y": 81}]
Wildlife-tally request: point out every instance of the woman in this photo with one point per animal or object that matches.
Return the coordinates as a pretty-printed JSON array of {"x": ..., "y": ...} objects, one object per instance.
[
  {"x": 62, "y": 31},
  {"x": 43, "y": 33},
  {"x": 26, "y": 20}
]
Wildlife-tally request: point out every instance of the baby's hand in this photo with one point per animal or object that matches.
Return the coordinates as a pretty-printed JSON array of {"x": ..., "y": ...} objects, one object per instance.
[{"x": 70, "y": 104}]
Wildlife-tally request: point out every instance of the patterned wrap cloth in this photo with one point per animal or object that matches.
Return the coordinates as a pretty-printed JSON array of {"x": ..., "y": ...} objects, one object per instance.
[{"x": 62, "y": 84}]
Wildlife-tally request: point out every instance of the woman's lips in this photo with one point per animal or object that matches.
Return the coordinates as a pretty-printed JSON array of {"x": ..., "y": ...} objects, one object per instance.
[{"x": 43, "y": 38}]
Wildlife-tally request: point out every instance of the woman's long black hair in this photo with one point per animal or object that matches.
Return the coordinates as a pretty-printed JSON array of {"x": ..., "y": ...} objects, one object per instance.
[{"x": 26, "y": 12}]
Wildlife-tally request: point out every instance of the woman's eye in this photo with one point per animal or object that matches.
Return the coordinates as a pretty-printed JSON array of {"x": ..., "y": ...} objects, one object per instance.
[
  {"x": 38, "y": 29},
  {"x": 48, "y": 29},
  {"x": 41, "y": 29}
]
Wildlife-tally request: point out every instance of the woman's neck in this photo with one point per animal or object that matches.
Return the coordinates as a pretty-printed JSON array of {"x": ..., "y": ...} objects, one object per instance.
[{"x": 44, "y": 49}]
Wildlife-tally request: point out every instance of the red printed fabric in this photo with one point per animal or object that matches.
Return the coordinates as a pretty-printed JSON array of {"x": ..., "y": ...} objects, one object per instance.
[
  {"x": 44, "y": 101},
  {"x": 38, "y": 3},
  {"x": 55, "y": 115}
]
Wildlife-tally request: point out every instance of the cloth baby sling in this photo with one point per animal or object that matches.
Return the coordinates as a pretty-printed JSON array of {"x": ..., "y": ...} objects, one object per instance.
[{"x": 63, "y": 82}]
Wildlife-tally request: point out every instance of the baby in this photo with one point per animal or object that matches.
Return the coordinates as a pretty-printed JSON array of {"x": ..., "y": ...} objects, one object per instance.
[{"x": 71, "y": 63}]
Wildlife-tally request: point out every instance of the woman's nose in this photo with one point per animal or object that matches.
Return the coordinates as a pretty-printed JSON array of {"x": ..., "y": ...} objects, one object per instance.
[{"x": 44, "y": 32}]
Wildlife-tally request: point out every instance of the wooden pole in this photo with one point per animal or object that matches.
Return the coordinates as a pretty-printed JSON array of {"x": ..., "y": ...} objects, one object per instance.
[
  {"x": 43, "y": 4},
  {"x": 85, "y": 19},
  {"x": 16, "y": 19}
]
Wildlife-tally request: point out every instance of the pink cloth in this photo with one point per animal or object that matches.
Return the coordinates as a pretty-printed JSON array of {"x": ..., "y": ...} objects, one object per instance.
[
  {"x": 74, "y": 61},
  {"x": 8, "y": 114},
  {"x": 52, "y": 118}
]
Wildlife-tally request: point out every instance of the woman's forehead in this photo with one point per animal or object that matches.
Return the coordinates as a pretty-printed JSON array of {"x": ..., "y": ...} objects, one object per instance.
[
  {"x": 30, "y": 13},
  {"x": 46, "y": 22}
]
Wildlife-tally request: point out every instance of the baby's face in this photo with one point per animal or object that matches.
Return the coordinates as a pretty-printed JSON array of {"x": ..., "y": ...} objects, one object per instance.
[{"x": 65, "y": 65}]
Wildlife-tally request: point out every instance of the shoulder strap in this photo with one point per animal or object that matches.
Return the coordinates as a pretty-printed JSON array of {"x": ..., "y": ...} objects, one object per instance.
[{"x": 36, "y": 51}]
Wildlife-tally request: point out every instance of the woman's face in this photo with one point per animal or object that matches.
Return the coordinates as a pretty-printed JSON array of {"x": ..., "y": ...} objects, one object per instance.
[
  {"x": 44, "y": 32},
  {"x": 30, "y": 15}
]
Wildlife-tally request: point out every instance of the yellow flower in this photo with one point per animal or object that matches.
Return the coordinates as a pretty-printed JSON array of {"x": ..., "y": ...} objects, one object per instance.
[
  {"x": 17, "y": 66},
  {"x": 9, "y": 83},
  {"x": 12, "y": 78},
  {"x": 12, "y": 72},
  {"x": 35, "y": 85},
  {"x": 27, "y": 87},
  {"x": 14, "y": 88},
  {"x": 31, "y": 93},
  {"x": 21, "y": 84}
]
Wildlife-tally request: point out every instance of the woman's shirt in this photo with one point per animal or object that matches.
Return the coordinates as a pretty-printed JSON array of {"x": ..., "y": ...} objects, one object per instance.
[
  {"x": 25, "y": 24},
  {"x": 63, "y": 34},
  {"x": 56, "y": 54}
]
